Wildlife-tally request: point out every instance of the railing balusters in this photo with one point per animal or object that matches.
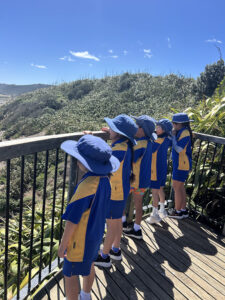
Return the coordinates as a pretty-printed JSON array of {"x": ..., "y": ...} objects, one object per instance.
[
  {"x": 43, "y": 212},
  {"x": 32, "y": 220},
  {"x": 20, "y": 225},
  {"x": 220, "y": 167},
  {"x": 214, "y": 153},
  {"x": 63, "y": 198},
  {"x": 53, "y": 206},
  {"x": 6, "y": 229}
]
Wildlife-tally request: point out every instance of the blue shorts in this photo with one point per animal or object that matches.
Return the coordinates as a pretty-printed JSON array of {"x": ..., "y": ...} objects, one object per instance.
[
  {"x": 76, "y": 268},
  {"x": 116, "y": 208},
  {"x": 156, "y": 184},
  {"x": 180, "y": 175}
]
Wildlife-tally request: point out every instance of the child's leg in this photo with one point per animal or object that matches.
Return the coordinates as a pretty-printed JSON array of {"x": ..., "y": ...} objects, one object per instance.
[
  {"x": 155, "y": 198},
  {"x": 88, "y": 280},
  {"x": 112, "y": 227},
  {"x": 162, "y": 195},
  {"x": 118, "y": 233},
  {"x": 138, "y": 207},
  {"x": 178, "y": 187},
  {"x": 72, "y": 287},
  {"x": 184, "y": 197}
]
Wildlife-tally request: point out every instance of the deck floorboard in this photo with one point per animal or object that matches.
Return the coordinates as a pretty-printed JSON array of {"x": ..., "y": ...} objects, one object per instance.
[{"x": 177, "y": 259}]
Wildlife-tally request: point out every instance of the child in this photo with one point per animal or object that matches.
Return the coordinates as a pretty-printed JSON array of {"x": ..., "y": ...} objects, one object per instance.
[
  {"x": 182, "y": 161},
  {"x": 86, "y": 213},
  {"x": 122, "y": 130},
  {"x": 142, "y": 171},
  {"x": 159, "y": 169}
]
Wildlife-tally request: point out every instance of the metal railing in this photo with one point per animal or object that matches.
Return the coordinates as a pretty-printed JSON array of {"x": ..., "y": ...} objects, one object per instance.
[{"x": 36, "y": 179}]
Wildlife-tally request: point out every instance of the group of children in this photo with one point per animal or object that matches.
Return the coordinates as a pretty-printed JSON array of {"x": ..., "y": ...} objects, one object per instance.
[{"x": 136, "y": 161}]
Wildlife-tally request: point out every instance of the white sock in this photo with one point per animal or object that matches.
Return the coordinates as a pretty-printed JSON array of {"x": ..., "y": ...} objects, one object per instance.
[
  {"x": 155, "y": 211},
  {"x": 136, "y": 227},
  {"x": 85, "y": 296},
  {"x": 162, "y": 206},
  {"x": 124, "y": 219}
]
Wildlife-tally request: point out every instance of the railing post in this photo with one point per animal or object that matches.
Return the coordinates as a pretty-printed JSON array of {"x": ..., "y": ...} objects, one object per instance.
[{"x": 72, "y": 177}]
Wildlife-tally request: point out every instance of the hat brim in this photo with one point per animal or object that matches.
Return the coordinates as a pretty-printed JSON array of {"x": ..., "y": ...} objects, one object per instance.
[
  {"x": 182, "y": 121},
  {"x": 114, "y": 128},
  {"x": 94, "y": 166},
  {"x": 136, "y": 118}
]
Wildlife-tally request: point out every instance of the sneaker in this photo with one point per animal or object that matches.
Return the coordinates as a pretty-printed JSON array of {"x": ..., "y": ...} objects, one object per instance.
[
  {"x": 134, "y": 234},
  {"x": 126, "y": 227},
  {"x": 103, "y": 262},
  {"x": 185, "y": 213},
  {"x": 153, "y": 219},
  {"x": 163, "y": 214},
  {"x": 115, "y": 255},
  {"x": 176, "y": 215}
]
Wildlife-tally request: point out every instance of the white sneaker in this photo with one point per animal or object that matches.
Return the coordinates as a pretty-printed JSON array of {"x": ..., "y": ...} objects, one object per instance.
[
  {"x": 163, "y": 214},
  {"x": 153, "y": 219}
]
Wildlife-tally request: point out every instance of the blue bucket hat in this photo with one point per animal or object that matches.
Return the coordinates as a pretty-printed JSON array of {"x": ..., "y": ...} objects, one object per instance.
[
  {"x": 147, "y": 124},
  {"x": 93, "y": 152},
  {"x": 166, "y": 125},
  {"x": 181, "y": 118},
  {"x": 123, "y": 125}
]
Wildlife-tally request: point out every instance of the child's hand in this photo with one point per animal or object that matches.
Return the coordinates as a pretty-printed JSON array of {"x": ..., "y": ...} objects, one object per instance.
[
  {"x": 105, "y": 129},
  {"x": 61, "y": 251},
  {"x": 173, "y": 132},
  {"x": 87, "y": 132}
]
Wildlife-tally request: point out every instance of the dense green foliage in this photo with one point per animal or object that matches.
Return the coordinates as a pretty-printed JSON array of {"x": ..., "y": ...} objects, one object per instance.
[
  {"x": 83, "y": 104},
  {"x": 209, "y": 80}
]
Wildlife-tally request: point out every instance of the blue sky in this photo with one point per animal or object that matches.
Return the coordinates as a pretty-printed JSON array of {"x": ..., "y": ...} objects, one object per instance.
[{"x": 54, "y": 41}]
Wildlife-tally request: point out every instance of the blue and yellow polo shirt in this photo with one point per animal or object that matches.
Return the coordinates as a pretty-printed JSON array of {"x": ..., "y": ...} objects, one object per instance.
[
  {"x": 87, "y": 208},
  {"x": 120, "y": 180},
  {"x": 183, "y": 160},
  {"x": 142, "y": 158},
  {"x": 159, "y": 157}
]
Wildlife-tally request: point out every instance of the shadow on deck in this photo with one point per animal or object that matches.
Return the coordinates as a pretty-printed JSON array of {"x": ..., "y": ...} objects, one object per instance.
[{"x": 178, "y": 259}]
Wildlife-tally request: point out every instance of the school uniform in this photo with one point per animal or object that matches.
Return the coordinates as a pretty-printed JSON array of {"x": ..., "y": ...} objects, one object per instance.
[
  {"x": 182, "y": 161},
  {"x": 159, "y": 161},
  {"x": 87, "y": 208},
  {"x": 142, "y": 157},
  {"x": 120, "y": 180}
]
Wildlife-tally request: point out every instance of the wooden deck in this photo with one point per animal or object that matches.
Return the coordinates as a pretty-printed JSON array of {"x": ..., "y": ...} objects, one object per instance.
[{"x": 175, "y": 260}]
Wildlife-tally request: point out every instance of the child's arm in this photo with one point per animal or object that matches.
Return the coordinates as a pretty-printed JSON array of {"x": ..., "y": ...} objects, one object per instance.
[{"x": 69, "y": 229}]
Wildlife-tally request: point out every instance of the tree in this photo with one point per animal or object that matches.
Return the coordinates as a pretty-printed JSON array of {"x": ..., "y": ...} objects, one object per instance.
[{"x": 209, "y": 80}]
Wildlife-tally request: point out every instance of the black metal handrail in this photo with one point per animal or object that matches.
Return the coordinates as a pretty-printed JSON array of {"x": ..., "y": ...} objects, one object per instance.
[{"x": 36, "y": 233}]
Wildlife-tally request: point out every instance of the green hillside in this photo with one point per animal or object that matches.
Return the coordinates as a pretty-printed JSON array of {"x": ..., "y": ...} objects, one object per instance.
[
  {"x": 83, "y": 104},
  {"x": 15, "y": 90}
]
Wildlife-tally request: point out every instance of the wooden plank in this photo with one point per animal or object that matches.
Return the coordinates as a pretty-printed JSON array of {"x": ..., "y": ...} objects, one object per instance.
[
  {"x": 201, "y": 260},
  {"x": 215, "y": 239},
  {"x": 151, "y": 270},
  {"x": 202, "y": 246},
  {"x": 136, "y": 279},
  {"x": 175, "y": 270},
  {"x": 108, "y": 281},
  {"x": 198, "y": 275},
  {"x": 99, "y": 290},
  {"x": 210, "y": 138},
  {"x": 17, "y": 148}
]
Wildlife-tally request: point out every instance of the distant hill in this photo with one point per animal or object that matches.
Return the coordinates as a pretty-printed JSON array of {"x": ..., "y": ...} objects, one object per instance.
[
  {"x": 83, "y": 104},
  {"x": 15, "y": 90}
]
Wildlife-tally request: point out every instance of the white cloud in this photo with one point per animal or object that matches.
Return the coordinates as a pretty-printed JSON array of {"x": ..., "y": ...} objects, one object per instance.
[
  {"x": 214, "y": 41},
  {"x": 38, "y": 66},
  {"x": 125, "y": 52},
  {"x": 110, "y": 51},
  {"x": 84, "y": 54},
  {"x": 114, "y": 56},
  {"x": 147, "y": 53},
  {"x": 169, "y": 43},
  {"x": 66, "y": 58}
]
